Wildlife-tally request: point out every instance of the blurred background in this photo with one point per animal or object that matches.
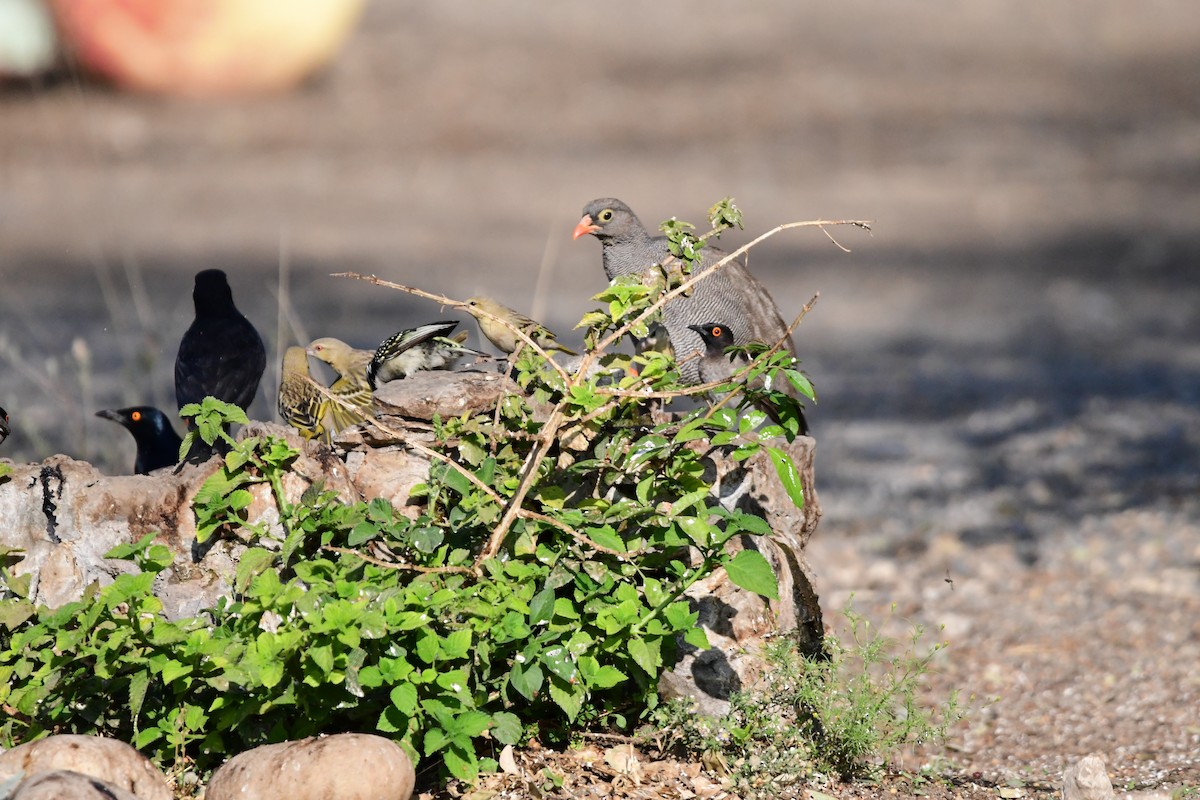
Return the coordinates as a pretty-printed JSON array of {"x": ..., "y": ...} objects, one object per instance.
[{"x": 1031, "y": 170}]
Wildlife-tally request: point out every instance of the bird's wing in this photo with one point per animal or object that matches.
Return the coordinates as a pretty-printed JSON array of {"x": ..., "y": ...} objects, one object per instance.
[{"x": 397, "y": 343}]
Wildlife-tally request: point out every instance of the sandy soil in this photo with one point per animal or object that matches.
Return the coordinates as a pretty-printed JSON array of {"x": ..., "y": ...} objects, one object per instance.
[{"x": 1009, "y": 367}]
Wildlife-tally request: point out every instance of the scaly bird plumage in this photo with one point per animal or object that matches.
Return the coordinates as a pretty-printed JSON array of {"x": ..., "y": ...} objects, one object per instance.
[
  {"x": 311, "y": 408},
  {"x": 731, "y": 295}
]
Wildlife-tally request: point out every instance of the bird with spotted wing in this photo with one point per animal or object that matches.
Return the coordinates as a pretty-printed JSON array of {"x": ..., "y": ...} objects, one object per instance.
[{"x": 426, "y": 347}]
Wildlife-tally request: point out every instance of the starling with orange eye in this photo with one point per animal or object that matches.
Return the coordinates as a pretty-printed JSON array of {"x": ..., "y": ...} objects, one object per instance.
[
  {"x": 731, "y": 294},
  {"x": 718, "y": 365},
  {"x": 157, "y": 442}
]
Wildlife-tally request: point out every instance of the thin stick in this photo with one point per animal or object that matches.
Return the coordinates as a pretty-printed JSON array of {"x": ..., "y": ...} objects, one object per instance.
[
  {"x": 396, "y": 564},
  {"x": 429, "y": 452},
  {"x": 447, "y": 301}
]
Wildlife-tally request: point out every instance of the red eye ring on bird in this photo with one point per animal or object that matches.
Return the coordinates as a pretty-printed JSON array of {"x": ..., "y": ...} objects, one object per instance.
[
  {"x": 136, "y": 416},
  {"x": 716, "y": 331}
]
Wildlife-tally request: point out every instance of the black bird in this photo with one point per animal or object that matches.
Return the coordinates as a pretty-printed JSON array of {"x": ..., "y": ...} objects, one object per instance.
[
  {"x": 221, "y": 355},
  {"x": 731, "y": 294},
  {"x": 157, "y": 442},
  {"x": 4, "y": 429},
  {"x": 718, "y": 365}
]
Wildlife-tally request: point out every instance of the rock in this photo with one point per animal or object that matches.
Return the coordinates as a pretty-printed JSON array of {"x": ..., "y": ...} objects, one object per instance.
[
  {"x": 348, "y": 766},
  {"x": 735, "y": 620},
  {"x": 1087, "y": 780},
  {"x": 108, "y": 760},
  {"x": 65, "y": 515},
  {"x": 63, "y": 784},
  {"x": 448, "y": 394}
]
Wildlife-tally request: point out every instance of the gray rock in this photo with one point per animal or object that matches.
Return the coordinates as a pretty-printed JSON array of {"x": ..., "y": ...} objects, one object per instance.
[
  {"x": 737, "y": 621},
  {"x": 1087, "y": 779},
  {"x": 348, "y": 766},
  {"x": 63, "y": 784},
  {"x": 448, "y": 394},
  {"x": 114, "y": 763}
]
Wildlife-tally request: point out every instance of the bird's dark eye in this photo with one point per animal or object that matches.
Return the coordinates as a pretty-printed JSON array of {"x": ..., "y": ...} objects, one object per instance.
[
  {"x": 716, "y": 331},
  {"x": 136, "y": 416},
  {"x": 605, "y": 215}
]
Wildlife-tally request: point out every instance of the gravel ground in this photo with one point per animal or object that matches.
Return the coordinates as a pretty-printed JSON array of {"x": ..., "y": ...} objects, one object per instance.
[{"x": 1009, "y": 367}]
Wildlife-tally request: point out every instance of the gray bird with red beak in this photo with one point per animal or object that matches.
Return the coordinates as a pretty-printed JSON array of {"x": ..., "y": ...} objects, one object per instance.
[{"x": 731, "y": 294}]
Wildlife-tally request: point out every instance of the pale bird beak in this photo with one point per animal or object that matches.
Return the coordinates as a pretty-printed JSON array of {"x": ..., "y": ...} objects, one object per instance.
[{"x": 585, "y": 227}]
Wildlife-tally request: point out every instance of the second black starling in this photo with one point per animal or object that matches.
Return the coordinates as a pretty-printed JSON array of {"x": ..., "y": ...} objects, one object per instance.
[
  {"x": 4, "y": 429},
  {"x": 718, "y": 365},
  {"x": 221, "y": 355},
  {"x": 157, "y": 442}
]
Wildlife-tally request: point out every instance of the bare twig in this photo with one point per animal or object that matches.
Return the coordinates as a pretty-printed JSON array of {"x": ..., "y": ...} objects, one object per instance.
[
  {"x": 396, "y": 564},
  {"x": 452, "y": 303},
  {"x": 582, "y": 538},
  {"x": 429, "y": 452}
]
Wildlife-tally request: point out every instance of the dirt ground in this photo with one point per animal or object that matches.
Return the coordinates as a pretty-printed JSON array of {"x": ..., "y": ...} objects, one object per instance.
[{"x": 1008, "y": 367}]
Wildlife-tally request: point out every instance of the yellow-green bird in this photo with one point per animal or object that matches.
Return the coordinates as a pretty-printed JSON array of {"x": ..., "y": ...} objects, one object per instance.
[
  {"x": 348, "y": 362},
  {"x": 351, "y": 394},
  {"x": 502, "y": 336},
  {"x": 309, "y": 407}
]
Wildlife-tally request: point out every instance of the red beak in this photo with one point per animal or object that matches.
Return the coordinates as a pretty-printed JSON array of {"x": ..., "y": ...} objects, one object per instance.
[{"x": 585, "y": 227}]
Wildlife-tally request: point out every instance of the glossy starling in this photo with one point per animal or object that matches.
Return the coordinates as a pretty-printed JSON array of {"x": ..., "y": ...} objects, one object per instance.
[
  {"x": 4, "y": 429},
  {"x": 157, "y": 442},
  {"x": 718, "y": 365},
  {"x": 732, "y": 294},
  {"x": 221, "y": 355},
  {"x": 422, "y": 348},
  {"x": 502, "y": 336},
  {"x": 308, "y": 406}
]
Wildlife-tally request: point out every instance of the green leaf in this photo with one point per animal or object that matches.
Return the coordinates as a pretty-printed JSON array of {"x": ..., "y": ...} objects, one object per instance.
[
  {"x": 404, "y": 698},
  {"x": 802, "y": 384},
  {"x": 506, "y": 727},
  {"x": 558, "y": 660},
  {"x": 696, "y": 637},
  {"x": 461, "y": 763},
  {"x": 457, "y": 644},
  {"x": 541, "y": 607},
  {"x": 788, "y": 476},
  {"x": 567, "y": 697},
  {"x": 749, "y": 570},
  {"x": 526, "y": 679},
  {"x": 139, "y": 681},
  {"x": 646, "y": 655}
]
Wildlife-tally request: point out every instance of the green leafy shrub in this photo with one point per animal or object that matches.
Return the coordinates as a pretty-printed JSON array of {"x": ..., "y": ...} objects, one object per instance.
[{"x": 540, "y": 586}]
